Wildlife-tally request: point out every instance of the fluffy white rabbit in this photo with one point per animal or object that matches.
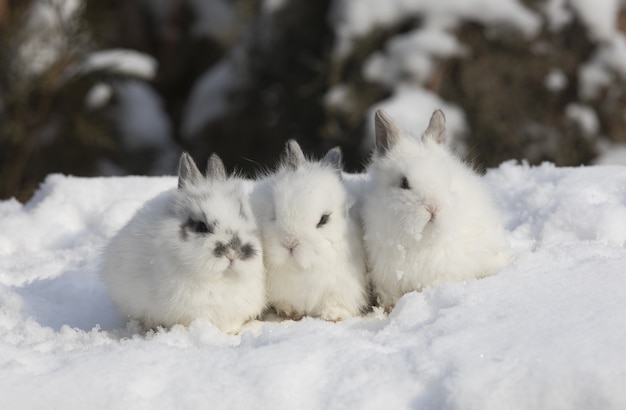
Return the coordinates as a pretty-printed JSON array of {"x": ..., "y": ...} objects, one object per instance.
[
  {"x": 428, "y": 218},
  {"x": 191, "y": 252},
  {"x": 313, "y": 251}
]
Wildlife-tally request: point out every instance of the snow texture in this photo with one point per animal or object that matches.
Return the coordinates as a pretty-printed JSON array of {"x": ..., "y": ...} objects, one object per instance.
[
  {"x": 546, "y": 332},
  {"x": 122, "y": 61}
]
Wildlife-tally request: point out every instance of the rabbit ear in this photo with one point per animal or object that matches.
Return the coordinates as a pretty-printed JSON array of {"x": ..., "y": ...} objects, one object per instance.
[
  {"x": 294, "y": 157},
  {"x": 436, "y": 128},
  {"x": 334, "y": 159},
  {"x": 188, "y": 172},
  {"x": 215, "y": 168},
  {"x": 387, "y": 132}
]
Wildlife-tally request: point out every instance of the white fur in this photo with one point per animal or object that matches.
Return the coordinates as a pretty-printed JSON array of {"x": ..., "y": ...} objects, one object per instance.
[
  {"x": 325, "y": 275},
  {"x": 444, "y": 228},
  {"x": 163, "y": 273}
]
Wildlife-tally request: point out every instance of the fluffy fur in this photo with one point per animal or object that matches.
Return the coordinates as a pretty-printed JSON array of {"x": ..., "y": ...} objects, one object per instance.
[
  {"x": 191, "y": 252},
  {"x": 427, "y": 217},
  {"x": 313, "y": 251}
]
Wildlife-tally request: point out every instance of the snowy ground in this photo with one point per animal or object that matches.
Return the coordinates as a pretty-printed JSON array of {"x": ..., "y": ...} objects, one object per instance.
[{"x": 547, "y": 332}]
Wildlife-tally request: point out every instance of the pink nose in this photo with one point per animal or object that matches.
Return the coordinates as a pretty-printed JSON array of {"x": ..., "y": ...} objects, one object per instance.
[
  {"x": 433, "y": 210},
  {"x": 291, "y": 243}
]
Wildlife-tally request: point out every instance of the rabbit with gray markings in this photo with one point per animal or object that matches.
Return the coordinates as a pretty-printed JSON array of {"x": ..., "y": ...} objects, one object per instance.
[
  {"x": 191, "y": 252},
  {"x": 428, "y": 218},
  {"x": 313, "y": 250}
]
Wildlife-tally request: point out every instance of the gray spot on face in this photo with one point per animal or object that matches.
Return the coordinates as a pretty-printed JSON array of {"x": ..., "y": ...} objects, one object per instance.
[
  {"x": 236, "y": 248},
  {"x": 247, "y": 251},
  {"x": 235, "y": 242},
  {"x": 220, "y": 250}
]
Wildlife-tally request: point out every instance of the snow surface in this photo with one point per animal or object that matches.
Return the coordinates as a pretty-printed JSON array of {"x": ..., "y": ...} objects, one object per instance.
[{"x": 547, "y": 332}]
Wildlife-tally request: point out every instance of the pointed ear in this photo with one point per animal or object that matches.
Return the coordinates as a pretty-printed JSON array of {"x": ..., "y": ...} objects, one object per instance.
[
  {"x": 387, "y": 132},
  {"x": 294, "y": 157},
  {"x": 215, "y": 168},
  {"x": 334, "y": 159},
  {"x": 188, "y": 172},
  {"x": 436, "y": 128}
]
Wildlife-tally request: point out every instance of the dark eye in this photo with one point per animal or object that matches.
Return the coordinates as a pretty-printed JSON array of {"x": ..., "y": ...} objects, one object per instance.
[
  {"x": 323, "y": 220},
  {"x": 404, "y": 184},
  {"x": 200, "y": 227}
]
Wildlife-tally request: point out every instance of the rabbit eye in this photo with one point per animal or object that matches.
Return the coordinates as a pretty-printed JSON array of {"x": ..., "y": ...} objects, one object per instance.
[
  {"x": 323, "y": 220},
  {"x": 404, "y": 184},
  {"x": 200, "y": 227}
]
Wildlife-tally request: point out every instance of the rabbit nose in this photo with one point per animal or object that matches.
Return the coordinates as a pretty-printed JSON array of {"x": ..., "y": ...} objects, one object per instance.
[
  {"x": 291, "y": 243},
  {"x": 231, "y": 259},
  {"x": 433, "y": 210}
]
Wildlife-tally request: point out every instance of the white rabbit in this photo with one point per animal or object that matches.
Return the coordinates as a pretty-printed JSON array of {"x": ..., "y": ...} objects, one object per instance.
[
  {"x": 313, "y": 251},
  {"x": 427, "y": 217},
  {"x": 191, "y": 252}
]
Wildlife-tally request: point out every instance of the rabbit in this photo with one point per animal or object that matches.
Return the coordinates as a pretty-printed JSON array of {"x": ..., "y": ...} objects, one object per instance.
[
  {"x": 314, "y": 254},
  {"x": 191, "y": 252},
  {"x": 427, "y": 217}
]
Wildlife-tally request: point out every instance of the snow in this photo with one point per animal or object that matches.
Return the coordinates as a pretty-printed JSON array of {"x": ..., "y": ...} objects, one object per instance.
[
  {"x": 611, "y": 153},
  {"x": 410, "y": 56},
  {"x": 98, "y": 95},
  {"x": 585, "y": 117},
  {"x": 354, "y": 18},
  {"x": 555, "y": 81},
  {"x": 209, "y": 98},
  {"x": 599, "y": 16},
  {"x": 593, "y": 79},
  {"x": 272, "y": 6},
  {"x": 608, "y": 61},
  {"x": 122, "y": 61},
  {"x": 546, "y": 332},
  {"x": 43, "y": 33},
  {"x": 141, "y": 116},
  {"x": 557, "y": 12},
  {"x": 338, "y": 98}
]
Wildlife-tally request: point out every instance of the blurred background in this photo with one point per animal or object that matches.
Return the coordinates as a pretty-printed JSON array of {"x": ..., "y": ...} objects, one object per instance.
[{"x": 122, "y": 87}]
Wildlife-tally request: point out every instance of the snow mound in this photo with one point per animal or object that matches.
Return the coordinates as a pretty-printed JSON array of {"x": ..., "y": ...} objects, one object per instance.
[
  {"x": 354, "y": 18},
  {"x": 547, "y": 332}
]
